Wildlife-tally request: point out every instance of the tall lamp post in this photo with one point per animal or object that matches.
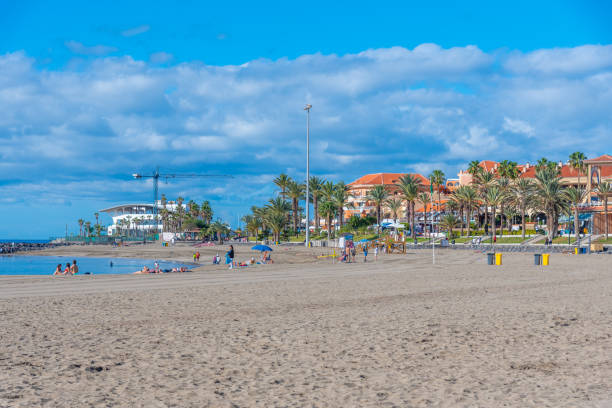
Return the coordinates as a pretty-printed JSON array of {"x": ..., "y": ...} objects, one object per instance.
[{"x": 307, "y": 109}]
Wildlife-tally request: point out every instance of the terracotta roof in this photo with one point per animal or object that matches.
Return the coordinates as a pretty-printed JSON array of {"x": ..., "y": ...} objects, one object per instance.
[
  {"x": 488, "y": 165},
  {"x": 385, "y": 178},
  {"x": 604, "y": 158}
]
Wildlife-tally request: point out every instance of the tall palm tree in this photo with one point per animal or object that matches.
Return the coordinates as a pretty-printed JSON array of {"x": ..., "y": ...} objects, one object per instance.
[
  {"x": 604, "y": 190},
  {"x": 219, "y": 228},
  {"x": 97, "y": 223},
  {"x": 474, "y": 167},
  {"x": 469, "y": 198},
  {"x": 378, "y": 194},
  {"x": 316, "y": 187},
  {"x": 484, "y": 181},
  {"x": 206, "y": 212},
  {"x": 576, "y": 160},
  {"x": 87, "y": 227},
  {"x": 328, "y": 210},
  {"x": 81, "y": 222},
  {"x": 424, "y": 199},
  {"x": 504, "y": 186},
  {"x": 549, "y": 197},
  {"x": 295, "y": 191},
  {"x": 409, "y": 189},
  {"x": 508, "y": 169},
  {"x": 575, "y": 195},
  {"x": 395, "y": 206},
  {"x": 521, "y": 196},
  {"x": 458, "y": 200},
  {"x": 340, "y": 197},
  {"x": 282, "y": 182},
  {"x": 494, "y": 198},
  {"x": 437, "y": 178},
  {"x": 180, "y": 213}
]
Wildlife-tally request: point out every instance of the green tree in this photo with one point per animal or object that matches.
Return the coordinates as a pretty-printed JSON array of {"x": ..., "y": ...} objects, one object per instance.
[
  {"x": 395, "y": 206},
  {"x": 575, "y": 196},
  {"x": 508, "y": 169},
  {"x": 576, "y": 160},
  {"x": 448, "y": 223},
  {"x": 468, "y": 198},
  {"x": 206, "y": 212},
  {"x": 474, "y": 167},
  {"x": 282, "y": 182},
  {"x": 521, "y": 196},
  {"x": 425, "y": 198},
  {"x": 295, "y": 192},
  {"x": 340, "y": 197},
  {"x": 409, "y": 188},
  {"x": 437, "y": 178},
  {"x": 81, "y": 222},
  {"x": 494, "y": 198},
  {"x": 549, "y": 197},
  {"x": 604, "y": 190},
  {"x": 328, "y": 210},
  {"x": 316, "y": 192},
  {"x": 378, "y": 194}
]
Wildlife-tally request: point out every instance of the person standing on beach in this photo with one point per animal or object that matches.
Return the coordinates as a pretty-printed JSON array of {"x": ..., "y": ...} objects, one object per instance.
[
  {"x": 375, "y": 253},
  {"x": 74, "y": 269},
  {"x": 365, "y": 253},
  {"x": 198, "y": 256},
  {"x": 230, "y": 256}
]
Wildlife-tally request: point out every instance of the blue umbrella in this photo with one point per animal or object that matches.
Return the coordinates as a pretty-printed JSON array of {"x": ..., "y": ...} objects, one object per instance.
[
  {"x": 364, "y": 240},
  {"x": 261, "y": 248}
]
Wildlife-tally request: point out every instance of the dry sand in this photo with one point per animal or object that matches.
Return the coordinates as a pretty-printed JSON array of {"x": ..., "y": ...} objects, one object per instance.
[{"x": 307, "y": 333}]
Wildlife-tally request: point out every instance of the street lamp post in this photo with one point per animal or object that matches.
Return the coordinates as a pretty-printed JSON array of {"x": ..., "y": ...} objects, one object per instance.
[{"x": 307, "y": 109}]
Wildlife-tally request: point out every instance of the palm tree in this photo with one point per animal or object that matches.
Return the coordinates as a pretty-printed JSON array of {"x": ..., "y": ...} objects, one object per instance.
[
  {"x": 295, "y": 191},
  {"x": 395, "y": 206},
  {"x": 328, "y": 210},
  {"x": 468, "y": 197},
  {"x": 316, "y": 186},
  {"x": 409, "y": 188},
  {"x": 378, "y": 194},
  {"x": 282, "y": 182},
  {"x": 508, "y": 169},
  {"x": 484, "y": 181},
  {"x": 180, "y": 213},
  {"x": 219, "y": 228},
  {"x": 458, "y": 201},
  {"x": 425, "y": 198},
  {"x": 97, "y": 223},
  {"x": 474, "y": 167},
  {"x": 340, "y": 197},
  {"x": 604, "y": 190},
  {"x": 494, "y": 198},
  {"x": 437, "y": 178},
  {"x": 277, "y": 221},
  {"x": 504, "y": 185},
  {"x": 521, "y": 195},
  {"x": 448, "y": 223},
  {"x": 206, "y": 212},
  {"x": 81, "y": 222},
  {"x": 87, "y": 227},
  {"x": 575, "y": 195},
  {"x": 549, "y": 197},
  {"x": 576, "y": 160}
]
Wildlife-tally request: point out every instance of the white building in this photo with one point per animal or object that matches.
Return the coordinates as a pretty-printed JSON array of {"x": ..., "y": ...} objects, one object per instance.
[{"x": 137, "y": 217}]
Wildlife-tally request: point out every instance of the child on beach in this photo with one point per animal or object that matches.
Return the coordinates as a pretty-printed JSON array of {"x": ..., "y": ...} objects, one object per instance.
[
  {"x": 74, "y": 269},
  {"x": 67, "y": 269},
  {"x": 58, "y": 270}
]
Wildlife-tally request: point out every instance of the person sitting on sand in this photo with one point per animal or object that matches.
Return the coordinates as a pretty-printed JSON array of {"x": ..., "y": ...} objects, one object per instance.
[
  {"x": 58, "y": 270},
  {"x": 145, "y": 269},
  {"x": 67, "y": 269},
  {"x": 183, "y": 269},
  {"x": 74, "y": 269}
]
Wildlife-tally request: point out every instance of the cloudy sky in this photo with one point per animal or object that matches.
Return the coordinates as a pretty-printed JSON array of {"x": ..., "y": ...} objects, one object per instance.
[{"x": 89, "y": 96}]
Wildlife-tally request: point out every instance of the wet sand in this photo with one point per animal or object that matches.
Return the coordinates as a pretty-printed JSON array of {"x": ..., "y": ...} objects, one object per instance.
[{"x": 306, "y": 332}]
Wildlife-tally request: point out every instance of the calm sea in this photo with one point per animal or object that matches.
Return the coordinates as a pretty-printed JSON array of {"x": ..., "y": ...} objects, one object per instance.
[
  {"x": 24, "y": 241},
  {"x": 45, "y": 265}
]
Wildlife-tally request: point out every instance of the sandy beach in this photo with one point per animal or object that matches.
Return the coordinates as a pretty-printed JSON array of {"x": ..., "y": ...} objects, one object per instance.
[{"x": 308, "y": 333}]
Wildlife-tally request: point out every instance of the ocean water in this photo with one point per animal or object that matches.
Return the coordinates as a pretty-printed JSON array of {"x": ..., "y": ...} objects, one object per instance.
[
  {"x": 24, "y": 241},
  {"x": 45, "y": 265}
]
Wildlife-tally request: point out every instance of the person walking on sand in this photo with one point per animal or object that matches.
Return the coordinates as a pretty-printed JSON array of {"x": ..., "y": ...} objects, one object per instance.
[
  {"x": 230, "y": 257},
  {"x": 365, "y": 253},
  {"x": 375, "y": 253},
  {"x": 198, "y": 256},
  {"x": 74, "y": 269}
]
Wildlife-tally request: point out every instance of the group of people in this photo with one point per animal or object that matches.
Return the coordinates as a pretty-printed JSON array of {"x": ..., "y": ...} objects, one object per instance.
[
  {"x": 231, "y": 262},
  {"x": 349, "y": 252},
  {"x": 68, "y": 270},
  {"x": 196, "y": 256},
  {"x": 156, "y": 269}
]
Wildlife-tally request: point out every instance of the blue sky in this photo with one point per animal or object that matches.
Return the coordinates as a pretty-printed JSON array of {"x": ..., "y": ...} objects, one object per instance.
[{"x": 91, "y": 93}]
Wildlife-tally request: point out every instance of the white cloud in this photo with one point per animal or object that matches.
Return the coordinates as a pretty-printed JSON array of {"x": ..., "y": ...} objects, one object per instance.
[
  {"x": 518, "y": 126},
  {"x": 136, "y": 30},
  {"x": 378, "y": 110},
  {"x": 160, "y": 57},
  {"x": 96, "y": 50}
]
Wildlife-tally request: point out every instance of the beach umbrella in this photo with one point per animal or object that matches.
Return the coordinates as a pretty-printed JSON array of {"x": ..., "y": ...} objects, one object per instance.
[
  {"x": 262, "y": 248},
  {"x": 364, "y": 240}
]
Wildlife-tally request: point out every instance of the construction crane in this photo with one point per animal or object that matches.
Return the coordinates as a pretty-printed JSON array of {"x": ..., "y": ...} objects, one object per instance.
[{"x": 157, "y": 175}]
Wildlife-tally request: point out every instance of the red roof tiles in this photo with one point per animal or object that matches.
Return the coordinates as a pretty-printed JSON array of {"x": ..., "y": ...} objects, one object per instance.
[{"x": 385, "y": 178}]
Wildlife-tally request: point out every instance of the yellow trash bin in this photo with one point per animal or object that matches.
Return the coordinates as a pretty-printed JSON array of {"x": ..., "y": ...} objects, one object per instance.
[
  {"x": 576, "y": 250},
  {"x": 545, "y": 258},
  {"x": 498, "y": 258}
]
